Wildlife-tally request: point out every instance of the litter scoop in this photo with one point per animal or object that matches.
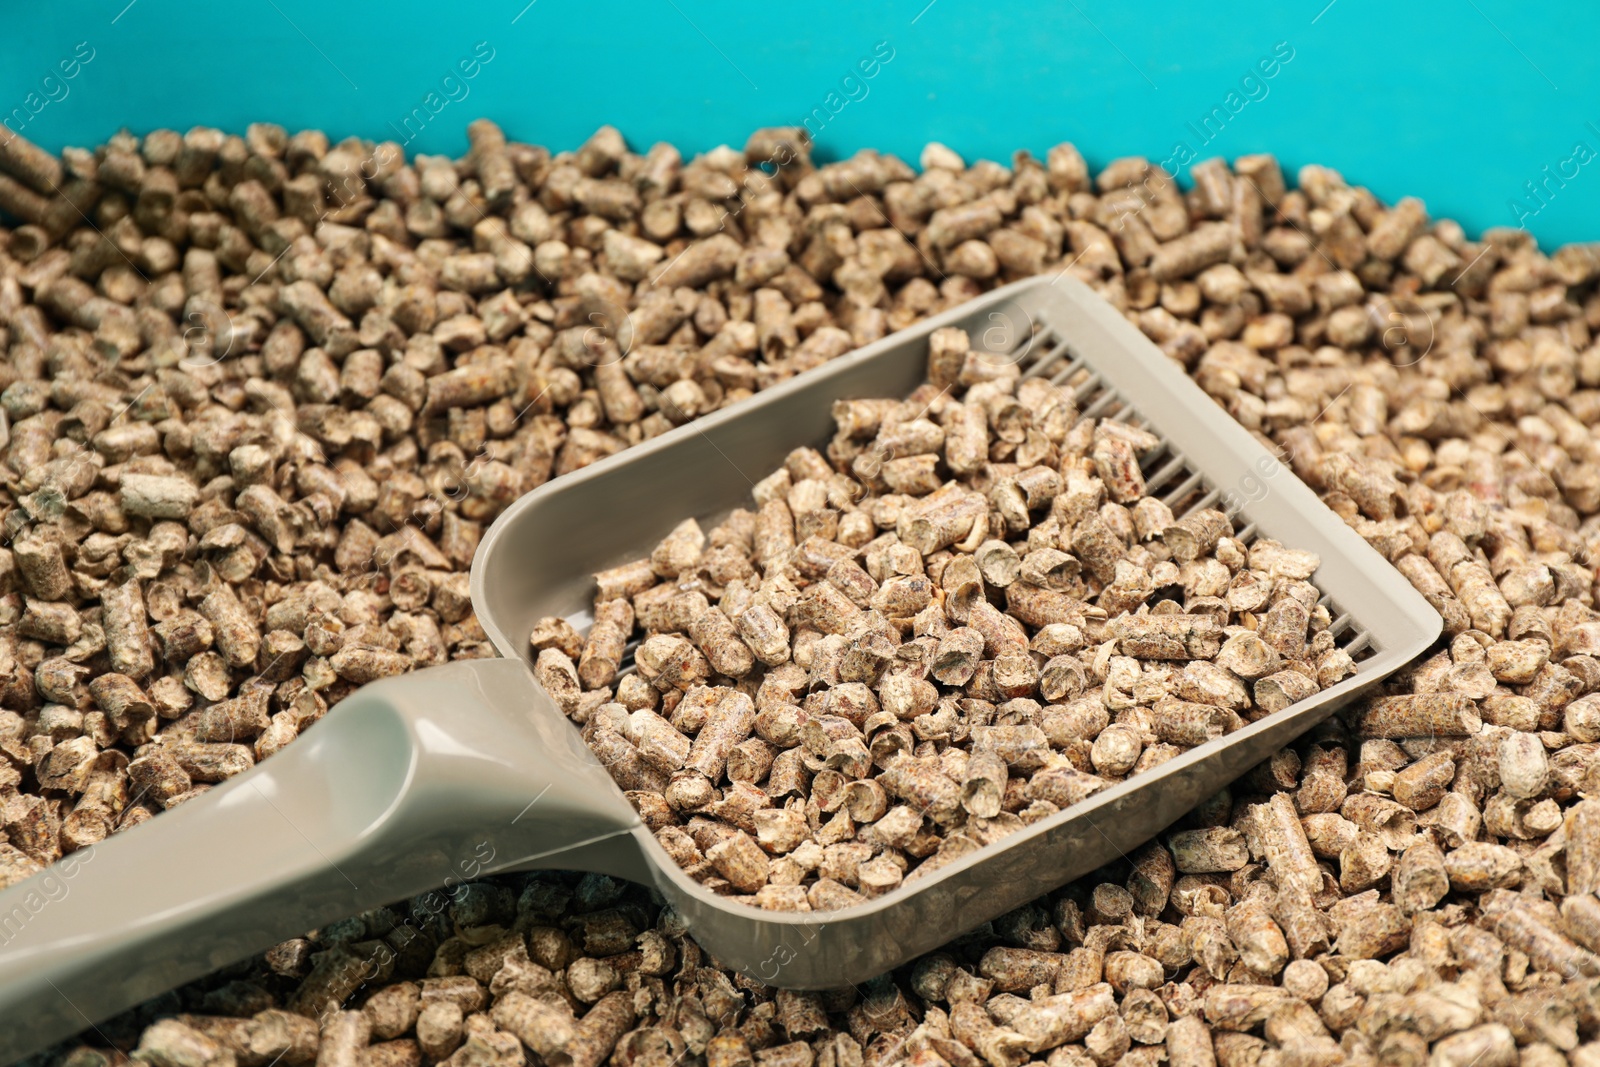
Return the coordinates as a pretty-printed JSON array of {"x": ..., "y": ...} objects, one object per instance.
[{"x": 454, "y": 772}]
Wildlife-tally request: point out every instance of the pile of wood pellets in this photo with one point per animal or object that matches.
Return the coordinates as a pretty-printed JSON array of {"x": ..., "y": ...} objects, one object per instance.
[
  {"x": 261, "y": 394},
  {"x": 884, "y": 683}
]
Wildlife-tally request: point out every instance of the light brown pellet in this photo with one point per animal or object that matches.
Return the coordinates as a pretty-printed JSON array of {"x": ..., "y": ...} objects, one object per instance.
[
  {"x": 1582, "y": 825},
  {"x": 1197, "y": 534},
  {"x": 626, "y": 580},
  {"x": 766, "y": 634},
  {"x": 1522, "y": 765},
  {"x": 603, "y": 650},
  {"x": 1240, "y": 1007},
  {"x": 1188, "y": 1043},
  {"x": 1285, "y": 846},
  {"x": 345, "y": 1035},
  {"x": 1182, "y": 637},
  {"x": 1421, "y": 877},
  {"x": 42, "y": 566},
  {"x": 984, "y": 786},
  {"x": 1423, "y": 784},
  {"x": 544, "y": 1027},
  {"x": 1420, "y": 715},
  {"x": 1186, "y": 723},
  {"x": 1215, "y": 848},
  {"x": 125, "y": 622},
  {"x": 729, "y": 722},
  {"x": 597, "y": 1033},
  {"x": 157, "y": 497},
  {"x": 278, "y": 1034},
  {"x": 719, "y": 641},
  {"x": 1480, "y": 865},
  {"x": 439, "y": 1028},
  {"x": 170, "y": 1043}
]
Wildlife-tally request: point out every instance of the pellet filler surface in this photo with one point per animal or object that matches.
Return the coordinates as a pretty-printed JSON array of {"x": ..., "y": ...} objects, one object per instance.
[{"x": 474, "y": 751}]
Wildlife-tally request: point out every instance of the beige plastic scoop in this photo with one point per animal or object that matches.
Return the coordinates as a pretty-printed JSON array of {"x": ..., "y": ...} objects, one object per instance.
[{"x": 451, "y": 773}]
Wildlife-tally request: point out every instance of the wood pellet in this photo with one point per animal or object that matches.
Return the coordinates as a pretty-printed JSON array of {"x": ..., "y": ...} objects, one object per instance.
[
  {"x": 1439, "y": 392},
  {"x": 963, "y": 618}
]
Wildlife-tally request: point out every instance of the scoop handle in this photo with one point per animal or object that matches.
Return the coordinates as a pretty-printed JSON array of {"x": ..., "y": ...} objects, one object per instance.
[{"x": 411, "y": 783}]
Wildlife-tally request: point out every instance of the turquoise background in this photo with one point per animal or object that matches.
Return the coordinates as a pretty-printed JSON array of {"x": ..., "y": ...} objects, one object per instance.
[{"x": 1460, "y": 102}]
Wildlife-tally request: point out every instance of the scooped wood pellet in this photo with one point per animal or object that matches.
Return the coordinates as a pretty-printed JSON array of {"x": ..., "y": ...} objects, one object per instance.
[{"x": 966, "y": 617}]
